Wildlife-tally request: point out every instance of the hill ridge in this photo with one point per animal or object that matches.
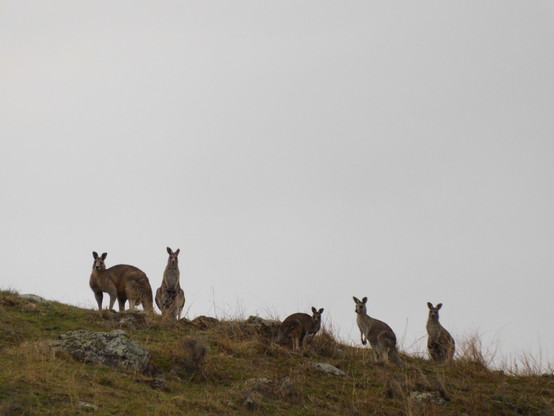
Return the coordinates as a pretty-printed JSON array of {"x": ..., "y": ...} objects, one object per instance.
[{"x": 232, "y": 367}]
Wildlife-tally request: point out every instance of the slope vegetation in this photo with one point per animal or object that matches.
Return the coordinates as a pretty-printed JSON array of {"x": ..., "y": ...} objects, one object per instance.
[{"x": 206, "y": 367}]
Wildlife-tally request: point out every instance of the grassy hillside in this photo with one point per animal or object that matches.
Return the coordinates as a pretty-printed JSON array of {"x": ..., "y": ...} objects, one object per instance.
[{"x": 241, "y": 373}]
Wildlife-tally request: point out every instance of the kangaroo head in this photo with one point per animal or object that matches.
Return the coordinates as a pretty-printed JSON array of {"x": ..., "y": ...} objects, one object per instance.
[
  {"x": 98, "y": 264},
  {"x": 173, "y": 259},
  {"x": 434, "y": 311},
  {"x": 360, "y": 305},
  {"x": 316, "y": 317}
]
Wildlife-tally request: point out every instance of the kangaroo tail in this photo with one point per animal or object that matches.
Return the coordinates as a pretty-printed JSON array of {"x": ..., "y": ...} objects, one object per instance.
[
  {"x": 396, "y": 359},
  {"x": 147, "y": 301}
]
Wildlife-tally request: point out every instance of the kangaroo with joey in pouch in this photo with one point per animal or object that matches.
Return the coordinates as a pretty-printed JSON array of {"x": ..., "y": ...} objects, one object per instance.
[
  {"x": 440, "y": 343},
  {"x": 170, "y": 298}
]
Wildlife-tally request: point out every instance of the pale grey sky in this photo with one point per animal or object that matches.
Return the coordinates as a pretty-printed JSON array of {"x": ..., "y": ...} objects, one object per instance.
[{"x": 298, "y": 152}]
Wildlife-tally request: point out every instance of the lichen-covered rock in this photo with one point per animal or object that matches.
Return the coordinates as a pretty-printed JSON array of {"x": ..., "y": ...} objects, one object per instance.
[
  {"x": 113, "y": 349},
  {"x": 329, "y": 369},
  {"x": 34, "y": 298}
]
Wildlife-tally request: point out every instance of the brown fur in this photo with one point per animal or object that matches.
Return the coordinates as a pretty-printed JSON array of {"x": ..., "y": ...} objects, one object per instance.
[
  {"x": 440, "y": 343},
  {"x": 298, "y": 325},
  {"x": 121, "y": 282},
  {"x": 380, "y": 336},
  {"x": 170, "y": 298}
]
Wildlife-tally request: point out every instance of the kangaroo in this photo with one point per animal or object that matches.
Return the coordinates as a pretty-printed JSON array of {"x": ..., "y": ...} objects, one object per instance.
[
  {"x": 380, "y": 336},
  {"x": 120, "y": 282},
  {"x": 440, "y": 343},
  {"x": 170, "y": 298},
  {"x": 298, "y": 325}
]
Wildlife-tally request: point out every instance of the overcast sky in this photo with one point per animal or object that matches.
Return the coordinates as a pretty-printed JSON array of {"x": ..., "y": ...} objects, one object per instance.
[{"x": 297, "y": 152}]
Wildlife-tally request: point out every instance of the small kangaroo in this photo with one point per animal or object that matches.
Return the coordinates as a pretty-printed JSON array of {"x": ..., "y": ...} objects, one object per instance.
[
  {"x": 380, "y": 336},
  {"x": 440, "y": 343},
  {"x": 120, "y": 282},
  {"x": 298, "y": 325},
  {"x": 170, "y": 298}
]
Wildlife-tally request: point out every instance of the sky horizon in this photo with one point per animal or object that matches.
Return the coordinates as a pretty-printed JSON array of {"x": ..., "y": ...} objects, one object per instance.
[{"x": 298, "y": 153}]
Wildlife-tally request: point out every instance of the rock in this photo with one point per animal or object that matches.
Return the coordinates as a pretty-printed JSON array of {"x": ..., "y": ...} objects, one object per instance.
[
  {"x": 261, "y": 321},
  {"x": 205, "y": 322},
  {"x": 267, "y": 327},
  {"x": 329, "y": 369},
  {"x": 88, "y": 405},
  {"x": 428, "y": 396},
  {"x": 34, "y": 298},
  {"x": 29, "y": 307},
  {"x": 253, "y": 382},
  {"x": 155, "y": 383},
  {"x": 262, "y": 385},
  {"x": 257, "y": 388},
  {"x": 113, "y": 349},
  {"x": 131, "y": 319}
]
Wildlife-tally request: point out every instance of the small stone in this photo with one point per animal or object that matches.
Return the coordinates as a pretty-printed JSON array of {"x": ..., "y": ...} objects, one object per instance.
[
  {"x": 255, "y": 319},
  {"x": 88, "y": 405},
  {"x": 430, "y": 396},
  {"x": 33, "y": 298},
  {"x": 257, "y": 381},
  {"x": 29, "y": 307},
  {"x": 329, "y": 369},
  {"x": 205, "y": 322}
]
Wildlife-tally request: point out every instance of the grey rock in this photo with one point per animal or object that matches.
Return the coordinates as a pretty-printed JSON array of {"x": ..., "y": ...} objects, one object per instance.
[
  {"x": 428, "y": 396},
  {"x": 113, "y": 349},
  {"x": 88, "y": 405},
  {"x": 260, "y": 385},
  {"x": 329, "y": 369},
  {"x": 34, "y": 298},
  {"x": 255, "y": 319},
  {"x": 257, "y": 381}
]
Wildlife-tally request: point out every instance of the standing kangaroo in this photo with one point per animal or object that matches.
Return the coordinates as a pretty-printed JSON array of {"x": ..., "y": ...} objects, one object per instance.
[
  {"x": 170, "y": 298},
  {"x": 380, "y": 336},
  {"x": 440, "y": 343},
  {"x": 122, "y": 282},
  {"x": 298, "y": 325}
]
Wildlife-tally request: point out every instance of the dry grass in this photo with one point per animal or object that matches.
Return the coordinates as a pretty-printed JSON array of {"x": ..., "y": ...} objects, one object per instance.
[{"x": 232, "y": 367}]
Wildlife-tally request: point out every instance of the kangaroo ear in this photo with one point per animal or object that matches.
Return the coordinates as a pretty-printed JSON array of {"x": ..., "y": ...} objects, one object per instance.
[
  {"x": 321, "y": 311},
  {"x": 104, "y": 255},
  {"x": 364, "y": 300},
  {"x": 356, "y": 299},
  {"x": 95, "y": 255},
  {"x": 169, "y": 251},
  {"x": 314, "y": 310},
  {"x": 178, "y": 251},
  {"x": 429, "y": 305},
  {"x": 439, "y": 306}
]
